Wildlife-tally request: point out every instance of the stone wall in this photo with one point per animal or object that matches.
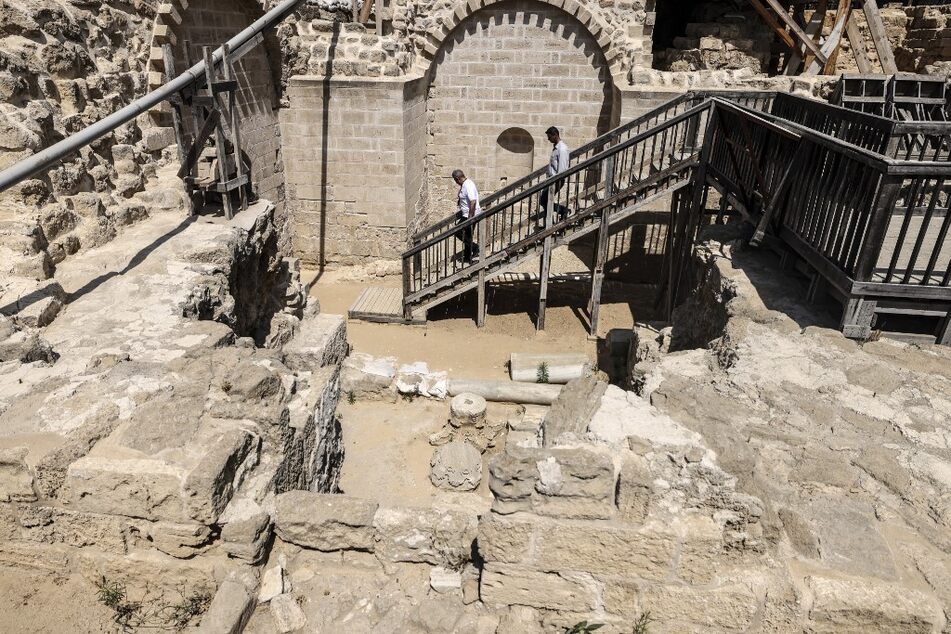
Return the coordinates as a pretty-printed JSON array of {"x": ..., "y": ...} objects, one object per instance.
[
  {"x": 928, "y": 38},
  {"x": 351, "y": 167},
  {"x": 521, "y": 65},
  {"x": 210, "y": 23}
]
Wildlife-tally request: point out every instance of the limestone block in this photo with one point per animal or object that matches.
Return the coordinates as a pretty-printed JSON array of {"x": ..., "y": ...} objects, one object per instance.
[
  {"x": 157, "y": 139},
  {"x": 443, "y": 580},
  {"x": 729, "y": 608},
  {"x": 634, "y": 488},
  {"x": 503, "y": 585},
  {"x": 287, "y": 614},
  {"x": 506, "y": 538},
  {"x": 365, "y": 376},
  {"x": 416, "y": 378},
  {"x": 324, "y": 521},
  {"x": 573, "y": 409},
  {"x": 179, "y": 540},
  {"x": 274, "y": 581},
  {"x": 435, "y": 536},
  {"x": 456, "y": 466},
  {"x": 863, "y": 604},
  {"x": 467, "y": 409},
  {"x": 247, "y": 538},
  {"x": 16, "y": 478},
  {"x": 180, "y": 488},
  {"x": 320, "y": 341},
  {"x": 229, "y": 611}
]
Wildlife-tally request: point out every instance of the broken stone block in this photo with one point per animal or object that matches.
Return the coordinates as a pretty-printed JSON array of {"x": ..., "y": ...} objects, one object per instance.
[
  {"x": 320, "y": 341},
  {"x": 467, "y": 410},
  {"x": 365, "y": 376},
  {"x": 26, "y": 347},
  {"x": 32, "y": 304},
  {"x": 470, "y": 584},
  {"x": 442, "y": 580},
  {"x": 273, "y": 582},
  {"x": 179, "y": 540},
  {"x": 325, "y": 521},
  {"x": 504, "y": 585},
  {"x": 287, "y": 615},
  {"x": 416, "y": 379},
  {"x": 456, "y": 466},
  {"x": 16, "y": 478},
  {"x": 573, "y": 409},
  {"x": 247, "y": 538},
  {"x": 229, "y": 610},
  {"x": 576, "y": 482},
  {"x": 156, "y": 139},
  {"x": 441, "y": 537}
]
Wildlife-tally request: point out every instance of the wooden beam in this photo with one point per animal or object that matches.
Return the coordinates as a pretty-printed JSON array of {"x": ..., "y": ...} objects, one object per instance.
[
  {"x": 219, "y": 134},
  {"x": 365, "y": 11},
  {"x": 813, "y": 29},
  {"x": 194, "y": 152},
  {"x": 859, "y": 49},
  {"x": 834, "y": 41},
  {"x": 233, "y": 116},
  {"x": 773, "y": 24},
  {"x": 793, "y": 27},
  {"x": 879, "y": 38}
]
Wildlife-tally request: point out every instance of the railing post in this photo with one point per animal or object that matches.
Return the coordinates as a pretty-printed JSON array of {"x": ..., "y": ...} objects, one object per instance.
[
  {"x": 480, "y": 307},
  {"x": 407, "y": 273},
  {"x": 877, "y": 225},
  {"x": 601, "y": 250},
  {"x": 546, "y": 261}
]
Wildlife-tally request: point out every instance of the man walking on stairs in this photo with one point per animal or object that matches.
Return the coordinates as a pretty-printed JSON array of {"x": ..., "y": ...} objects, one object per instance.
[
  {"x": 557, "y": 164},
  {"x": 468, "y": 208}
]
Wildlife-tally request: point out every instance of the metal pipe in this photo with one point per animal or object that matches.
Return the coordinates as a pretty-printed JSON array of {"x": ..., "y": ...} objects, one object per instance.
[{"x": 45, "y": 158}]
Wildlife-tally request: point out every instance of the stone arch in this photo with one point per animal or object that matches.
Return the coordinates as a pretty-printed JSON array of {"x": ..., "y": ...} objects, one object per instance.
[
  {"x": 516, "y": 64},
  {"x": 211, "y": 23},
  {"x": 514, "y": 155},
  {"x": 595, "y": 26}
]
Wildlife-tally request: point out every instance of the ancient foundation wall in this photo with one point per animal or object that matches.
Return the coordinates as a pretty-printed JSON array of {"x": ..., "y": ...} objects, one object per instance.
[
  {"x": 210, "y": 23},
  {"x": 353, "y": 163}
]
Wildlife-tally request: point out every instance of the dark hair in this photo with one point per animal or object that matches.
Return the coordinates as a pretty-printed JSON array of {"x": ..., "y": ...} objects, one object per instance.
[
  {"x": 457, "y": 173},
  {"x": 552, "y": 130}
]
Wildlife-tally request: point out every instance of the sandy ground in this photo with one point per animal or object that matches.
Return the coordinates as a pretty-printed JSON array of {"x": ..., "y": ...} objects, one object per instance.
[
  {"x": 451, "y": 341},
  {"x": 33, "y": 602}
]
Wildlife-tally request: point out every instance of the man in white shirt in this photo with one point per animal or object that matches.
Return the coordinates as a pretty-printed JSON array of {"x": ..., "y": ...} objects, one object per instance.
[
  {"x": 557, "y": 164},
  {"x": 468, "y": 208}
]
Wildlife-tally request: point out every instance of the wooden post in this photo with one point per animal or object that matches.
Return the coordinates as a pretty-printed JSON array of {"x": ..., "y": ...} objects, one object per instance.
[
  {"x": 601, "y": 250},
  {"x": 857, "y": 316},
  {"x": 407, "y": 309},
  {"x": 233, "y": 118},
  {"x": 219, "y": 133},
  {"x": 877, "y": 225},
  {"x": 546, "y": 262},
  {"x": 379, "y": 17},
  {"x": 480, "y": 308},
  {"x": 814, "y": 26},
  {"x": 944, "y": 331}
]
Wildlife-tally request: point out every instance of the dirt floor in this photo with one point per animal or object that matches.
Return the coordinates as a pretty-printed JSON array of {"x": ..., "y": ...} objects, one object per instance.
[
  {"x": 451, "y": 342},
  {"x": 35, "y": 602}
]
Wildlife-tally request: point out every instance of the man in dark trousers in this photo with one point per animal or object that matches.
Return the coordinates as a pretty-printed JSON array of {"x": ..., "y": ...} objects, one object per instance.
[
  {"x": 468, "y": 208},
  {"x": 557, "y": 164}
]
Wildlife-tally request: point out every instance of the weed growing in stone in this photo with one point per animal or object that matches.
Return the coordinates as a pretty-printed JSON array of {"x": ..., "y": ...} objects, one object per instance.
[
  {"x": 583, "y": 627},
  {"x": 640, "y": 625},
  {"x": 410, "y": 396},
  {"x": 351, "y": 397},
  {"x": 151, "y": 611},
  {"x": 542, "y": 373}
]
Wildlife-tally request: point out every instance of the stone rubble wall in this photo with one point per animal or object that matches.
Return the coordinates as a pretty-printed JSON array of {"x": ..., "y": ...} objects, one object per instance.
[
  {"x": 171, "y": 438},
  {"x": 927, "y": 41}
]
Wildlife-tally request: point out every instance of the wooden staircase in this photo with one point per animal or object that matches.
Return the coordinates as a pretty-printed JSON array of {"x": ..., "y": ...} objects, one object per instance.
[{"x": 609, "y": 180}]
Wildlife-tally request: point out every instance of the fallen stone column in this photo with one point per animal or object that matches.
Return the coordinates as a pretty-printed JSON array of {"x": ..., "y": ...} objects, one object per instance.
[
  {"x": 559, "y": 367},
  {"x": 507, "y": 391}
]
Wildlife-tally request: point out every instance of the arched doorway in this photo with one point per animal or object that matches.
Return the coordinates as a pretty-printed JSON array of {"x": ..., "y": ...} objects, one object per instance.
[{"x": 513, "y": 65}]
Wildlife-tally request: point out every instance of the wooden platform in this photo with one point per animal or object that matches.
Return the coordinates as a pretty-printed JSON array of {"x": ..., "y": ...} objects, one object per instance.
[{"x": 383, "y": 305}]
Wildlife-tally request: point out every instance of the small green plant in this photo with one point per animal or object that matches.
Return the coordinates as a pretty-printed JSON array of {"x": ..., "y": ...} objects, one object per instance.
[
  {"x": 152, "y": 611},
  {"x": 640, "y": 625},
  {"x": 410, "y": 396},
  {"x": 351, "y": 397},
  {"x": 542, "y": 372},
  {"x": 583, "y": 628}
]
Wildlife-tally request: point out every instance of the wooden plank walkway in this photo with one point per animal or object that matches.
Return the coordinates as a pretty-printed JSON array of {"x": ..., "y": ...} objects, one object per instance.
[{"x": 383, "y": 305}]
